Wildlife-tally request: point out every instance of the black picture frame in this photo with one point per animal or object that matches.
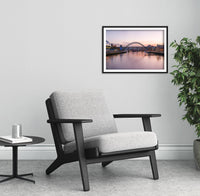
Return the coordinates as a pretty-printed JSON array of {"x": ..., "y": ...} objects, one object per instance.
[{"x": 115, "y": 53}]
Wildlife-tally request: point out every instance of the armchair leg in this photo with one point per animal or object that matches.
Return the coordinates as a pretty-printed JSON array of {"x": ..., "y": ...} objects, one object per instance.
[
  {"x": 81, "y": 155},
  {"x": 57, "y": 163},
  {"x": 84, "y": 175},
  {"x": 154, "y": 168},
  {"x": 104, "y": 164}
]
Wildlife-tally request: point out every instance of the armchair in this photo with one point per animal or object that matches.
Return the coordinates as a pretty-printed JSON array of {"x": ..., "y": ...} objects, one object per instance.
[{"x": 84, "y": 130}]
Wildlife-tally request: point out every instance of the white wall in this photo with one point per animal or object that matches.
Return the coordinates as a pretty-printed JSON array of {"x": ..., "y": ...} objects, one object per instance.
[{"x": 48, "y": 45}]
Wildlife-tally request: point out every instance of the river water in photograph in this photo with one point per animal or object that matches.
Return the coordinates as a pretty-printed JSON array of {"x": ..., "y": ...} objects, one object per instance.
[{"x": 135, "y": 60}]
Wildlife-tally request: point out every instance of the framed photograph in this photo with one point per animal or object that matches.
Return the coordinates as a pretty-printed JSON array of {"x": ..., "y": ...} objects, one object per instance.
[{"x": 137, "y": 49}]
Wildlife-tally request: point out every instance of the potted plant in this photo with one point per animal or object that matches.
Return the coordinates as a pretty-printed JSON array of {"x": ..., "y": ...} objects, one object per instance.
[{"x": 186, "y": 75}]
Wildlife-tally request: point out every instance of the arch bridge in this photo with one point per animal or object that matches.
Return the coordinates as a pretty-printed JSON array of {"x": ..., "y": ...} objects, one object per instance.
[{"x": 126, "y": 47}]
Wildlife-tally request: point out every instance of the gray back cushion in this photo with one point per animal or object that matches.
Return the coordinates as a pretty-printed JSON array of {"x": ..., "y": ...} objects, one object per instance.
[{"x": 82, "y": 105}]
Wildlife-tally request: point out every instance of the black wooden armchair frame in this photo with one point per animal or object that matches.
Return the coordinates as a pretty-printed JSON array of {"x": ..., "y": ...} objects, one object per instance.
[{"x": 86, "y": 157}]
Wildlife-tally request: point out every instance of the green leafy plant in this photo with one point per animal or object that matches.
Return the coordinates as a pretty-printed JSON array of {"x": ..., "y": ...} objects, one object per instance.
[{"x": 187, "y": 76}]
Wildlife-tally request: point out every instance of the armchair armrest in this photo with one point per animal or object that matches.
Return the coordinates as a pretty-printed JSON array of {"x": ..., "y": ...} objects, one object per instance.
[
  {"x": 78, "y": 133},
  {"x": 145, "y": 119},
  {"x": 135, "y": 115},
  {"x": 58, "y": 121}
]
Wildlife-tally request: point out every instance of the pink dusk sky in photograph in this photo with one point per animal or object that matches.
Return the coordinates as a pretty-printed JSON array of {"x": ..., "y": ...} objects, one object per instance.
[{"x": 145, "y": 37}]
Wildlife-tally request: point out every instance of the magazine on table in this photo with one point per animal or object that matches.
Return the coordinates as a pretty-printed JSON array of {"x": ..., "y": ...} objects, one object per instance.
[{"x": 11, "y": 140}]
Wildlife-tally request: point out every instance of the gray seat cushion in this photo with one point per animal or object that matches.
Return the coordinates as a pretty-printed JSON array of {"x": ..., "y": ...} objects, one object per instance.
[
  {"x": 82, "y": 105},
  {"x": 114, "y": 142}
]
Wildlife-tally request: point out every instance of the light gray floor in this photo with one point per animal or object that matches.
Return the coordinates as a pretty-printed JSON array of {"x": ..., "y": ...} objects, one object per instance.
[{"x": 119, "y": 178}]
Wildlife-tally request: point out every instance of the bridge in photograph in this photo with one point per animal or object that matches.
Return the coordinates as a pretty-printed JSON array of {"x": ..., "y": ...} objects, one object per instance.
[
  {"x": 126, "y": 47},
  {"x": 119, "y": 50}
]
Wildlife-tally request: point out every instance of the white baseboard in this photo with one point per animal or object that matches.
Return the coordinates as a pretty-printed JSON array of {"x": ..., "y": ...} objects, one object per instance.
[
  {"x": 175, "y": 152},
  {"x": 33, "y": 152},
  {"x": 47, "y": 152}
]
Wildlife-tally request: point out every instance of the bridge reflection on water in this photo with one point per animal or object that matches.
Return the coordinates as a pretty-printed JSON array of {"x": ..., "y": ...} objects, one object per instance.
[{"x": 135, "y": 60}]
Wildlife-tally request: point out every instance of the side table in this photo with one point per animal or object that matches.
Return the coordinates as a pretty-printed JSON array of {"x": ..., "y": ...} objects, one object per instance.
[{"x": 35, "y": 140}]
